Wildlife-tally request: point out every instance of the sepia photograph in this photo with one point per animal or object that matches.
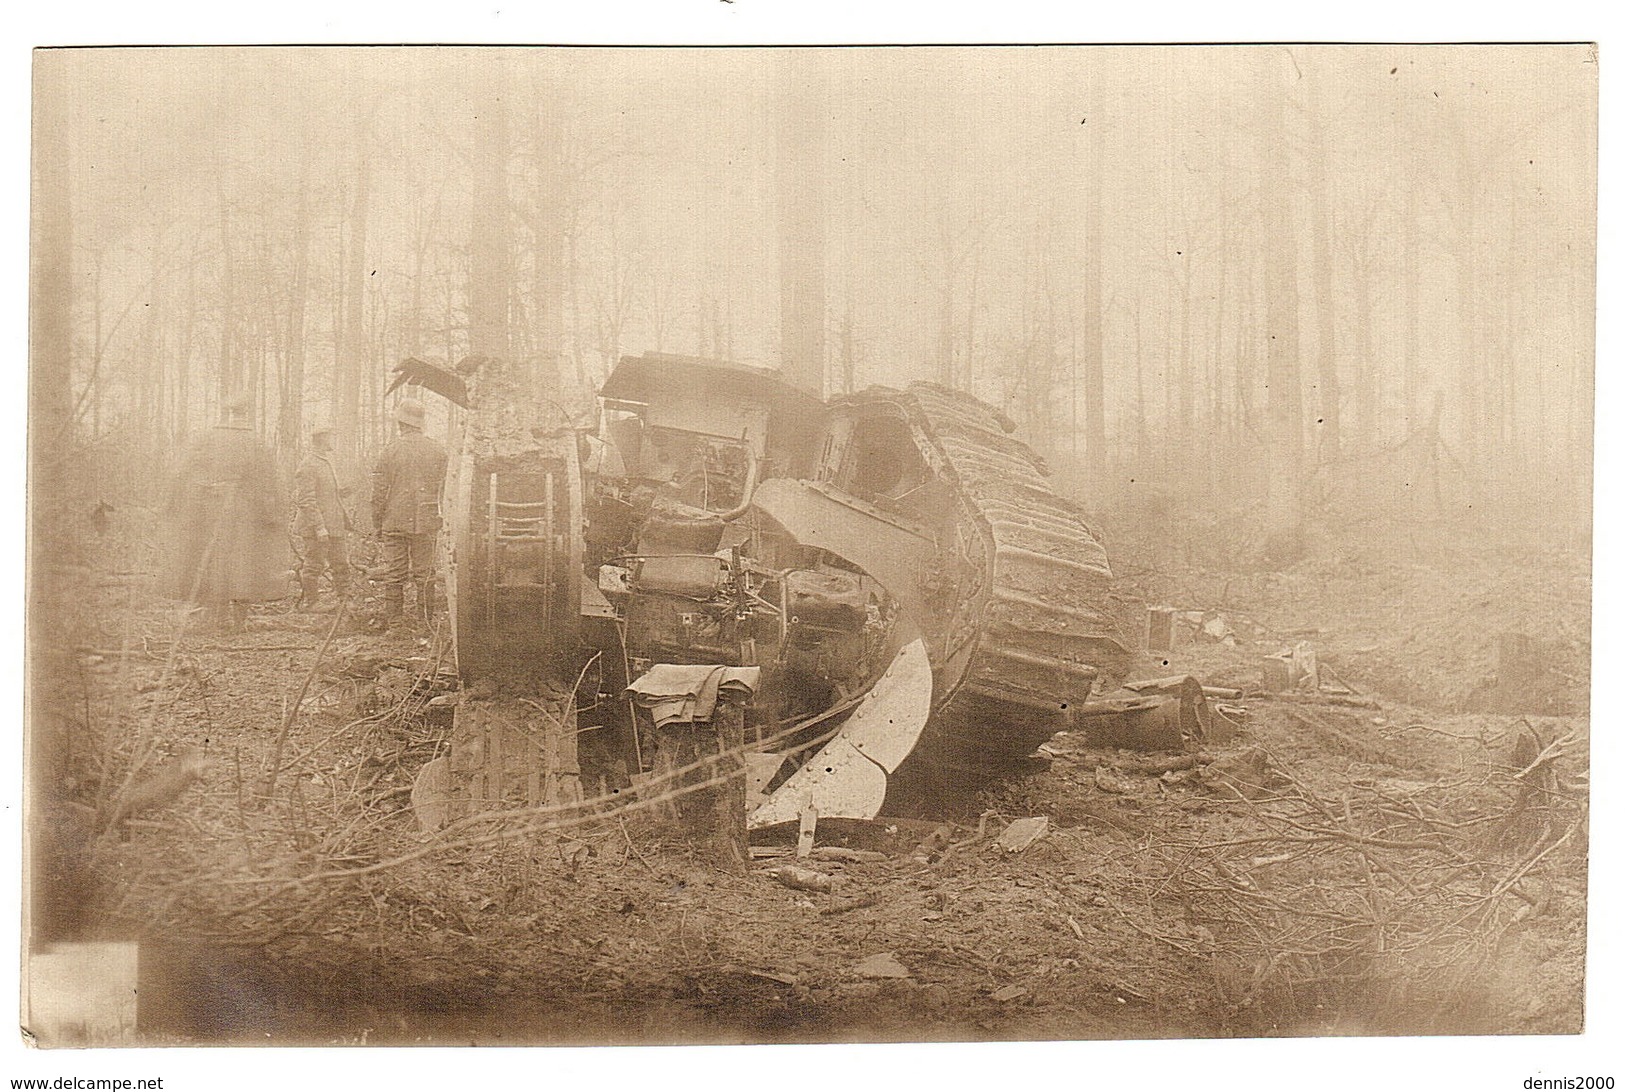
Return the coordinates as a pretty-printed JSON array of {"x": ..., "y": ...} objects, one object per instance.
[{"x": 606, "y": 546}]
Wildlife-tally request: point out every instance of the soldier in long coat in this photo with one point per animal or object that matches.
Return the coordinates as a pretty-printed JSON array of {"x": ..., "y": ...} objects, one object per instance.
[
  {"x": 227, "y": 513},
  {"x": 320, "y": 519},
  {"x": 407, "y": 483}
]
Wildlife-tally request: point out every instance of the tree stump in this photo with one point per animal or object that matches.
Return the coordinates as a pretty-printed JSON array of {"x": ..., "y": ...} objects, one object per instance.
[{"x": 710, "y": 819}]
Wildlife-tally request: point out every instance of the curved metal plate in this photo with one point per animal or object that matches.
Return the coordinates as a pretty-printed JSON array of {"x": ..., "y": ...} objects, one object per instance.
[
  {"x": 821, "y": 517},
  {"x": 847, "y": 778},
  {"x": 887, "y": 725},
  {"x": 838, "y": 781}
]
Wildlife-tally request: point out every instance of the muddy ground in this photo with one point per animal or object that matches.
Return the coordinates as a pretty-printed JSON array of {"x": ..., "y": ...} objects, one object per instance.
[{"x": 1404, "y": 856}]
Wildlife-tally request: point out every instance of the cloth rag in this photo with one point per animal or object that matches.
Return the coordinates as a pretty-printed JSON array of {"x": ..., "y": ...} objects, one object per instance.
[{"x": 687, "y": 693}]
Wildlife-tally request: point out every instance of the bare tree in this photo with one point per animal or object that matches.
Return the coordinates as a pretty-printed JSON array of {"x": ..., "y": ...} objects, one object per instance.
[
  {"x": 551, "y": 216},
  {"x": 1321, "y": 229},
  {"x": 800, "y": 178},
  {"x": 1094, "y": 342},
  {"x": 50, "y": 406},
  {"x": 490, "y": 274},
  {"x": 292, "y": 394},
  {"x": 352, "y": 341},
  {"x": 1285, "y": 405}
]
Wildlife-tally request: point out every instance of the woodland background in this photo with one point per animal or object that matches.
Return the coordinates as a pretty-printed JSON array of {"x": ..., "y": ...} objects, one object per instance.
[{"x": 1238, "y": 281}]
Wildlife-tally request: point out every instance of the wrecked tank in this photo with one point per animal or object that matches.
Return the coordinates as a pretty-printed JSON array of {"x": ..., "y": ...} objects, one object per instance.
[{"x": 886, "y": 577}]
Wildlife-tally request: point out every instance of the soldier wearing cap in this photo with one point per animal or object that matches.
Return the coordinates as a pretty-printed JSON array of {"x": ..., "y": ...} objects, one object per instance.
[
  {"x": 227, "y": 514},
  {"x": 406, "y": 488},
  {"x": 320, "y": 519}
]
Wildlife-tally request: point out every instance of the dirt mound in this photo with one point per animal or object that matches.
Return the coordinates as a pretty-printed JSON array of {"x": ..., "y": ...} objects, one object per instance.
[{"x": 1444, "y": 629}]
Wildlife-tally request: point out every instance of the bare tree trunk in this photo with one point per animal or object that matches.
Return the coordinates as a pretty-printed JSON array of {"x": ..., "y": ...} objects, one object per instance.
[
  {"x": 293, "y": 390},
  {"x": 573, "y": 280},
  {"x": 1366, "y": 394},
  {"x": 1578, "y": 402},
  {"x": 548, "y": 234},
  {"x": 1165, "y": 447},
  {"x": 1505, "y": 404},
  {"x": 230, "y": 381},
  {"x": 660, "y": 294},
  {"x": 93, "y": 381},
  {"x": 423, "y": 234},
  {"x": 372, "y": 378},
  {"x": 1073, "y": 383},
  {"x": 949, "y": 275},
  {"x": 1469, "y": 367},
  {"x": 849, "y": 361},
  {"x": 1094, "y": 338},
  {"x": 1182, "y": 373},
  {"x": 722, "y": 328},
  {"x": 50, "y": 312},
  {"x": 1581, "y": 411},
  {"x": 1051, "y": 358},
  {"x": 614, "y": 298},
  {"x": 1285, "y": 407},
  {"x": 1469, "y": 371},
  {"x": 181, "y": 420},
  {"x": 255, "y": 365},
  {"x": 1215, "y": 388},
  {"x": 49, "y": 912},
  {"x": 1329, "y": 421},
  {"x": 1243, "y": 418},
  {"x": 799, "y": 167},
  {"x": 353, "y": 355},
  {"x": 1412, "y": 243},
  {"x": 1139, "y": 390},
  {"x": 702, "y": 329},
  {"x": 490, "y": 280},
  {"x": 150, "y": 370},
  {"x": 968, "y": 377}
]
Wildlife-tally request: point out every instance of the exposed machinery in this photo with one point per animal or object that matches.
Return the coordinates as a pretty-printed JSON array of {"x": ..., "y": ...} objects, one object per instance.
[{"x": 922, "y": 608}]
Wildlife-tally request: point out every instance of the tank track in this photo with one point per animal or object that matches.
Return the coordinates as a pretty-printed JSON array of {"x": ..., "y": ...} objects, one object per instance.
[{"x": 1032, "y": 629}]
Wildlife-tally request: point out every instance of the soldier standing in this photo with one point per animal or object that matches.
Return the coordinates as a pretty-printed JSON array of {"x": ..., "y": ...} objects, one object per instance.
[
  {"x": 320, "y": 520},
  {"x": 227, "y": 514},
  {"x": 406, "y": 488}
]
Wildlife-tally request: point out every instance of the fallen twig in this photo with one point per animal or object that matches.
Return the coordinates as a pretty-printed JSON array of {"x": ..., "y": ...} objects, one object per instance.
[
  {"x": 1306, "y": 698},
  {"x": 634, "y": 849},
  {"x": 868, "y": 898},
  {"x": 293, "y": 710}
]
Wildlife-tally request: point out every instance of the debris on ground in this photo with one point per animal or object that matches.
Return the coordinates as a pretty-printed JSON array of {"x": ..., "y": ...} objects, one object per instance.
[
  {"x": 861, "y": 902},
  {"x": 1022, "y": 833},
  {"x": 884, "y": 965},
  {"x": 1385, "y": 858},
  {"x": 841, "y": 853},
  {"x": 1109, "y": 780},
  {"x": 1294, "y": 668},
  {"x": 803, "y": 879},
  {"x": 1245, "y": 773},
  {"x": 1165, "y": 714},
  {"x": 1179, "y": 684},
  {"x": 1160, "y": 629}
]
